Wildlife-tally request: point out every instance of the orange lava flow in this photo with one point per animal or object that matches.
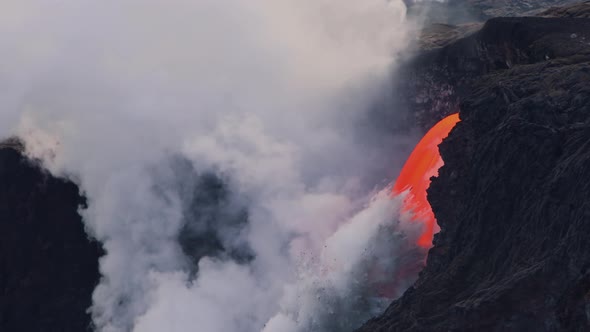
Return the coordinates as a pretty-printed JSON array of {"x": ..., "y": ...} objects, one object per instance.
[{"x": 423, "y": 164}]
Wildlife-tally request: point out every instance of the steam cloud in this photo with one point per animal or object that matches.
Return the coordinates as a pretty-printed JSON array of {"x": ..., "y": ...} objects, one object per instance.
[{"x": 227, "y": 151}]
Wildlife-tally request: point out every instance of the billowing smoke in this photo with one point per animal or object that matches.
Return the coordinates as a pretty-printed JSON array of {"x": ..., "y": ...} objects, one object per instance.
[{"x": 228, "y": 150}]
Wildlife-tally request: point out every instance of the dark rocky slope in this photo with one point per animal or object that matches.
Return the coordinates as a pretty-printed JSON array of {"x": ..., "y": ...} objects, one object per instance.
[
  {"x": 493, "y": 8},
  {"x": 439, "y": 79},
  {"x": 513, "y": 199},
  {"x": 580, "y": 10},
  {"x": 48, "y": 267}
]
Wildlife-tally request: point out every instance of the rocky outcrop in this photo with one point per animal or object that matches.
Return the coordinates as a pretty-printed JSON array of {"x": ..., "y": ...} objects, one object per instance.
[
  {"x": 457, "y": 19},
  {"x": 579, "y": 10},
  {"x": 436, "y": 81},
  {"x": 49, "y": 267},
  {"x": 463, "y": 11},
  {"x": 440, "y": 35},
  {"x": 513, "y": 197},
  {"x": 505, "y": 8}
]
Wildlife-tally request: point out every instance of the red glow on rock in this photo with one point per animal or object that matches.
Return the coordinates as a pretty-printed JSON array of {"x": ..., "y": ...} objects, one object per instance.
[{"x": 423, "y": 164}]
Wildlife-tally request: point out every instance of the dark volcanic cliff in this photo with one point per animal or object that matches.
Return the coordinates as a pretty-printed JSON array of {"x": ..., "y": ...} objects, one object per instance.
[
  {"x": 438, "y": 80},
  {"x": 48, "y": 267},
  {"x": 463, "y": 11},
  {"x": 513, "y": 199}
]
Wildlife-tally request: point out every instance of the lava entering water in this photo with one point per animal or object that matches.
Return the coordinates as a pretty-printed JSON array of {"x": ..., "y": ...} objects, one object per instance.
[{"x": 423, "y": 164}]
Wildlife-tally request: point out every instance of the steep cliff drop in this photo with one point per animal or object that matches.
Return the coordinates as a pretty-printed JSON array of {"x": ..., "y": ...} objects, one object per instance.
[
  {"x": 423, "y": 164},
  {"x": 512, "y": 197}
]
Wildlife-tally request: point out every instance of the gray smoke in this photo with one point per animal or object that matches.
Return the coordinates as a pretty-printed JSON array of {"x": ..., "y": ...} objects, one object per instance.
[{"x": 232, "y": 169}]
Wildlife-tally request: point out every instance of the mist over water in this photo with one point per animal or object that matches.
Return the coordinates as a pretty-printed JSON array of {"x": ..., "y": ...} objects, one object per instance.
[{"x": 233, "y": 170}]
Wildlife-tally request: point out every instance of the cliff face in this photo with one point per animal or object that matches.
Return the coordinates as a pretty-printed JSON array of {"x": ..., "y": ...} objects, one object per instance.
[
  {"x": 48, "y": 266},
  {"x": 513, "y": 197},
  {"x": 580, "y": 10},
  {"x": 463, "y": 11},
  {"x": 439, "y": 79},
  {"x": 495, "y": 8}
]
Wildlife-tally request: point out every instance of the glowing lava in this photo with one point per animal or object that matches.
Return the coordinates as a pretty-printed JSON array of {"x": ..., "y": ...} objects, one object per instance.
[{"x": 423, "y": 164}]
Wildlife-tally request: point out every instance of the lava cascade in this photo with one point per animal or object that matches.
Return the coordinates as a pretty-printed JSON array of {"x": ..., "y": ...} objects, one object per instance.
[{"x": 423, "y": 164}]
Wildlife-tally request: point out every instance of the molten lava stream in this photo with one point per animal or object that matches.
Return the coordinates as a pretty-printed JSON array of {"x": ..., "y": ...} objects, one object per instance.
[{"x": 423, "y": 164}]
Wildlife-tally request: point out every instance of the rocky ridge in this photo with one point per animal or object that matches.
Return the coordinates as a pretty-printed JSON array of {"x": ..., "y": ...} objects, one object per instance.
[{"x": 512, "y": 198}]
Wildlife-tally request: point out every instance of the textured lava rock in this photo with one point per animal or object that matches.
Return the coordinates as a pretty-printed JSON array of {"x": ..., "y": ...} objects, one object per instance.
[
  {"x": 463, "y": 11},
  {"x": 439, "y": 34},
  {"x": 496, "y": 8},
  {"x": 581, "y": 10},
  {"x": 513, "y": 197},
  {"x": 438, "y": 80},
  {"x": 48, "y": 267}
]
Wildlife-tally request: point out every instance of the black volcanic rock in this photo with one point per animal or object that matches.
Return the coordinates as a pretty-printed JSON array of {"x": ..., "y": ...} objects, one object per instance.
[
  {"x": 465, "y": 11},
  {"x": 48, "y": 267},
  {"x": 580, "y": 10},
  {"x": 496, "y": 8},
  {"x": 513, "y": 199},
  {"x": 436, "y": 81},
  {"x": 439, "y": 35}
]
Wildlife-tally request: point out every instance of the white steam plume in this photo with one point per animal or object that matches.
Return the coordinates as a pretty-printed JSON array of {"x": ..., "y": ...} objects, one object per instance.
[{"x": 137, "y": 101}]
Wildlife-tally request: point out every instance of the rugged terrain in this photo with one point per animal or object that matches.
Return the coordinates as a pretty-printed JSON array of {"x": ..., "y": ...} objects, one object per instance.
[
  {"x": 438, "y": 79},
  {"x": 513, "y": 197},
  {"x": 446, "y": 22},
  {"x": 464, "y": 11}
]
